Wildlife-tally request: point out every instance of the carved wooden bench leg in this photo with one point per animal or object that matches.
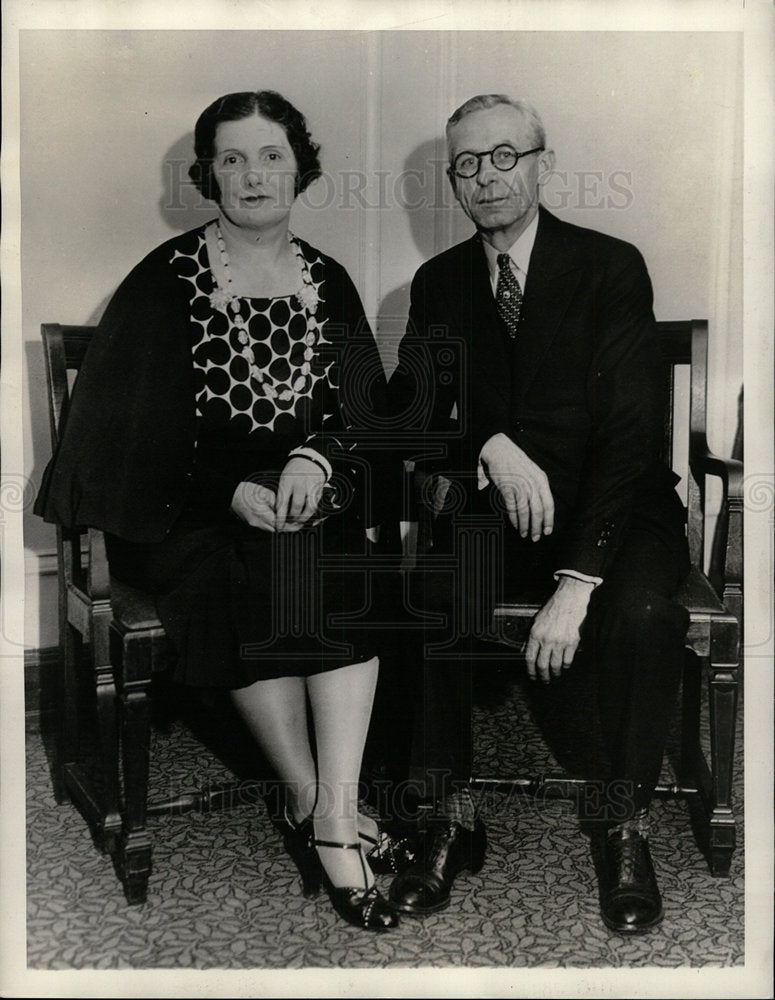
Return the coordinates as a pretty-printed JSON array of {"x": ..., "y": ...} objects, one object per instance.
[
  {"x": 723, "y": 681},
  {"x": 136, "y": 844},
  {"x": 132, "y": 651},
  {"x": 691, "y": 763},
  {"x": 71, "y": 650},
  {"x": 107, "y": 724},
  {"x": 95, "y": 795}
]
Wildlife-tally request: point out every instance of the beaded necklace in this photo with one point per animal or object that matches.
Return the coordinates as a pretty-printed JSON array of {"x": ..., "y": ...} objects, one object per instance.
[{"x": 224, "y": 299}]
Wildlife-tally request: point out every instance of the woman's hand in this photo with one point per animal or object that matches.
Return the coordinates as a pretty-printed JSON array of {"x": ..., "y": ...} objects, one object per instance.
[
  {"x": 255, "y": 504},
  {"x": 298, "y": 494}
]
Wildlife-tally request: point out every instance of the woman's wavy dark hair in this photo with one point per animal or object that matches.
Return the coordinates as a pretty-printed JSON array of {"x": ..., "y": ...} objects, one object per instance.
[{"x": 233, "y": 107}]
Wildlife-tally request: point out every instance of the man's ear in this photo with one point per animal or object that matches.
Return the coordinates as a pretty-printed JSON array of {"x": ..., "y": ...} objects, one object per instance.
[{"x": 546, "y": 160}]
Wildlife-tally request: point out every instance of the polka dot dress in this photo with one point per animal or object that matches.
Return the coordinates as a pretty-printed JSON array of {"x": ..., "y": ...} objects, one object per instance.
[{"x": 285, "y": 341}]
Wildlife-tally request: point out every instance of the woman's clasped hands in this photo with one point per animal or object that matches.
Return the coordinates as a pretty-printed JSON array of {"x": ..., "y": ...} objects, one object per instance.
[{"x": 290, "y": 508}]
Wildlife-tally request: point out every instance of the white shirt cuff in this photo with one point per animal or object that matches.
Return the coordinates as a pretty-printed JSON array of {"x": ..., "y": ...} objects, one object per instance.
[
  {"x": 315, "y": 456},
  {"x": 596, "y": 580}
]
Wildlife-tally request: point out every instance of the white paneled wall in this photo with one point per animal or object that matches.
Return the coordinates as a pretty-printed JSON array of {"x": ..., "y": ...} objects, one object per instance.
[{"x": 645, "y": 127}]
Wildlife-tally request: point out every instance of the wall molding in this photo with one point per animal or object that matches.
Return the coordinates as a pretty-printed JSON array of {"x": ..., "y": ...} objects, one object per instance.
[
  {"x": 40, "y": 604},
  {"x": 41, "y": 563},
  {"x": 40, "y": 669}
]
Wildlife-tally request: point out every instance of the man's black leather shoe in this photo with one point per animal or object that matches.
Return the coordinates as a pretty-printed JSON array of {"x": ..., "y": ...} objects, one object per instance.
[
  {"x": 446, "y": 850},
  {"x": 629, "y": 895}
]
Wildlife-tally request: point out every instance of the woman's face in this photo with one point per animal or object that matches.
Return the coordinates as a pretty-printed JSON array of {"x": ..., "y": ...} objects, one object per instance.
[{"x": 255, "y": 168}]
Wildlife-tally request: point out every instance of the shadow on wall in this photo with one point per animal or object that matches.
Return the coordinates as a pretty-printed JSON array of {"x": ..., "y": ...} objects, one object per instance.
[
  {"x": 425, "y": 196},
  {"x": 181, "y": 206}
]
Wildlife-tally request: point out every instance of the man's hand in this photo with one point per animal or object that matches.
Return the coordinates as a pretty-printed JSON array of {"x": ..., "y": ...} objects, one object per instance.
[
  {"x": 554, "y": 636},
  {"x": 298, "y": 494},
  {"x": 522, "y": 484},
  {"x": 255, "y": 504}
]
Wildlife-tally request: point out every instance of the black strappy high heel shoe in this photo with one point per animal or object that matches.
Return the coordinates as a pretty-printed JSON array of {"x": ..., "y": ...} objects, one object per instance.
[
  {"x": 362, "y": 907},
  {"x": 298, "y": 839},
  {"x": 389, "y": 855}
]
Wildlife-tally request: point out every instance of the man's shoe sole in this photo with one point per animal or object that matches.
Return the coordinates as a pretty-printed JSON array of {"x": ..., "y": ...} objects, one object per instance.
[
  {"x": 420, "y": 911},
  {"x": 631, "y": 930}
]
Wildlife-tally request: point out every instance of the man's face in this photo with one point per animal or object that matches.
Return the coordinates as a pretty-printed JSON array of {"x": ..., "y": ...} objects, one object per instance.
[{"x": 499, "y": 202}]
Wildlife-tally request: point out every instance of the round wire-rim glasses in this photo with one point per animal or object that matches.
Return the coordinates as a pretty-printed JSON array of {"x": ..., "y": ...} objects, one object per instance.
[{"x": 503, "y": 157}]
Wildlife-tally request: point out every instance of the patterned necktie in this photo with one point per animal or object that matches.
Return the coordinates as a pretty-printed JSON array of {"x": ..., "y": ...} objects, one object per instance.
[{"x": 508, "y": 296}]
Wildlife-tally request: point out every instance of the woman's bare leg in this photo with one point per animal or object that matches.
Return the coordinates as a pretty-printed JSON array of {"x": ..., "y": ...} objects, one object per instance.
[
  {"x": 341, "y": 703},
  {"x": 275, "y": 712}
]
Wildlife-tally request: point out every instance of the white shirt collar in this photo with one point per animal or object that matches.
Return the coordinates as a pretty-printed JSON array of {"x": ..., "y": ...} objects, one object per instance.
[{"x": 519, "y": 251}]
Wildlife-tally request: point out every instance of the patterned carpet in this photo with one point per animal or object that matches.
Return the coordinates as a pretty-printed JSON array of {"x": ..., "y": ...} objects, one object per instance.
[{"x": 223, "y": 894}]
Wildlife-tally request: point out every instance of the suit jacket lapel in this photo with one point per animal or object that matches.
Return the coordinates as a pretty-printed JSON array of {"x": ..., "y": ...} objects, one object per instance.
[{"x": 553, "y": 276}]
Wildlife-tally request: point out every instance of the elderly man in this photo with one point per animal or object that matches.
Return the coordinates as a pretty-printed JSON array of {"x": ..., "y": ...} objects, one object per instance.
[{"x": 528, "y": 381}]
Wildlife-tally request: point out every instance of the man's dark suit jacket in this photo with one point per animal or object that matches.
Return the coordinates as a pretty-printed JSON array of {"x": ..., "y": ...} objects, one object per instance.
[{"x": 578, "y": 390}]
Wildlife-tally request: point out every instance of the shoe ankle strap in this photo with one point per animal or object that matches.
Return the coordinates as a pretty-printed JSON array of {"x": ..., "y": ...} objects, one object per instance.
[{"x": 335, "y": 843}]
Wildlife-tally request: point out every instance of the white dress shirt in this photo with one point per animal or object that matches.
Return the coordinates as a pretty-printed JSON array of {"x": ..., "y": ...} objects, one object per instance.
[{"x": 519, "y": 253}]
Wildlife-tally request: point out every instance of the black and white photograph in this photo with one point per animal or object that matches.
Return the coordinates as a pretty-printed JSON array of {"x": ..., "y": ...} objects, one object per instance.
[{"x": 386, "y": 575}]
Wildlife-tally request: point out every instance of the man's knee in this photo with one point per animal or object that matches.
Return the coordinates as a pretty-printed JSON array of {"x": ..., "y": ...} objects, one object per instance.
[{"x": 638, "y": 609}]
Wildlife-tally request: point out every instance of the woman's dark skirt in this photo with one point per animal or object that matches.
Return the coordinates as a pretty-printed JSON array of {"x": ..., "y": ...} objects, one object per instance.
[{"x": 240, "y": 604}]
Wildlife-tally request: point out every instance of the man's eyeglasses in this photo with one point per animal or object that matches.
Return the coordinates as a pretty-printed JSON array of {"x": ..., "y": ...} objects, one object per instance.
[{"x": 503, "y": 157}]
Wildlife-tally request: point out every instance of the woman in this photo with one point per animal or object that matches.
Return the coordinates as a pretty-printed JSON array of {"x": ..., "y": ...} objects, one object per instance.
[{"x": 212, "y": 436}]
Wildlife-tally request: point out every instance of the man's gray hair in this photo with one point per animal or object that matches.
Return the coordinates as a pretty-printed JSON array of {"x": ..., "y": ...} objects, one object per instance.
[{"x": 484, "y": 101}]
